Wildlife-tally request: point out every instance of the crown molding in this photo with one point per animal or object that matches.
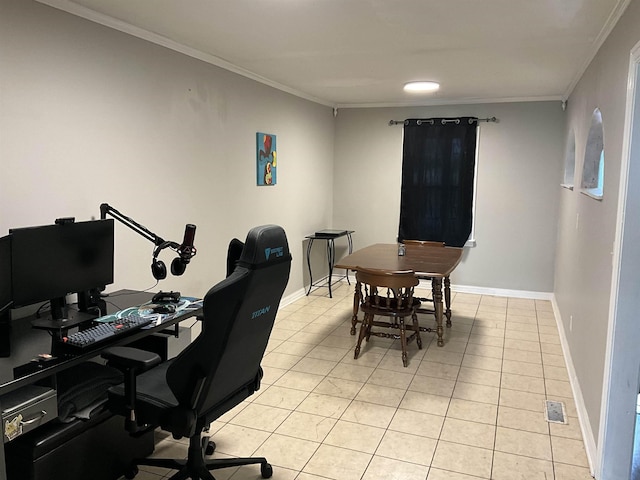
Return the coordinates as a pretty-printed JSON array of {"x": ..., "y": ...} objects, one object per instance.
[
  {"x": 75, "y": 9},
  {"x": 96, "y": 17},
  {"x": 452, "y": 101},
  {"x": 611, "y": 22}
]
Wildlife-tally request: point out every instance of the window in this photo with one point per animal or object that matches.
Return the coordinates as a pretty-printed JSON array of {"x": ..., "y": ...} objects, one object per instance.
[
  {"x": 570, "y": 162},
  {"x": 438, "y": 179},
  {"x": 593, "y": 168}
]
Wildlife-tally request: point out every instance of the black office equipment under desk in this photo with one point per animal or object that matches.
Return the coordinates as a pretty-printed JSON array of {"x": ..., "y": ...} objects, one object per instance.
[{"x": 29, "y": 362}]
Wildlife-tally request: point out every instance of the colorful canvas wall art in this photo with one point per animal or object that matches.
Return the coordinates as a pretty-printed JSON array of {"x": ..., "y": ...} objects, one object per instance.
[{"x": 266, "y": 156}]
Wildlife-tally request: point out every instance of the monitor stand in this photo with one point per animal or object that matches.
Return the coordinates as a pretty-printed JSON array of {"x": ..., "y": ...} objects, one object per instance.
[
  {"x": 62, "y": 317},
  {"x": 92, "y": 300},
  {"x": 73, "y": 319}
]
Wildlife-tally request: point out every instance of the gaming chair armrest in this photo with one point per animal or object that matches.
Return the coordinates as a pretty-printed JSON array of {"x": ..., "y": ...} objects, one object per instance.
[
  {"x": 128, "y": 358},
  {"x": 131, "y": 362}
]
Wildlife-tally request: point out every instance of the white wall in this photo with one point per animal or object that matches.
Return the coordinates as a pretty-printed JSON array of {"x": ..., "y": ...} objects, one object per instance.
[
  {"x": 91, "y": 115},
  {"x": 519, "y": 172}
]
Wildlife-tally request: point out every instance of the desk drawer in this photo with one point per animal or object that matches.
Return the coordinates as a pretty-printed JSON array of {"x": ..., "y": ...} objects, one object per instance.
[{"x": 26, "y": 409}]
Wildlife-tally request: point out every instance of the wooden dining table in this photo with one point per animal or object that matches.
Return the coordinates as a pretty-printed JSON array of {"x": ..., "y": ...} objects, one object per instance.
[{"x": 427, "y": 262}]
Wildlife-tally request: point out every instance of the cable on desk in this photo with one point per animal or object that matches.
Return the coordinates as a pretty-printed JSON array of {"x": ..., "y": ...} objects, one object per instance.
[
  {"x": 133, "y": 292},
  {"x": 110, "y": 295},
  {"x": 40, "y": 308}
]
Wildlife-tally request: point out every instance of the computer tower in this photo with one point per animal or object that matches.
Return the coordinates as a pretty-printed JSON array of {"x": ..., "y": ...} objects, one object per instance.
[{"x": 99, "y": 449}]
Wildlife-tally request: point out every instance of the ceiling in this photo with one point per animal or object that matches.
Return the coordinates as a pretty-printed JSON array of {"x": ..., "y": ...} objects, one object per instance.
[{"x": 346, "y": 53}]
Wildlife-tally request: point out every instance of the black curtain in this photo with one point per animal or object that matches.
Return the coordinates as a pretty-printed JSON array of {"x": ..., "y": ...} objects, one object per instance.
[{"x": 438, "y": 162}]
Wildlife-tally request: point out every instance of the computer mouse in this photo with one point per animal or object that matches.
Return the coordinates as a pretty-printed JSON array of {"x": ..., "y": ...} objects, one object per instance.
[{"x": 164, "y": 308}]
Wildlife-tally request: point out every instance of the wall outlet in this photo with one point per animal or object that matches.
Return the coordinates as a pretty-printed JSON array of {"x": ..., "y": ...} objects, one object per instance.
[
  {"x": 570, "y": 323},
  {"x": 577, "y": 220}
]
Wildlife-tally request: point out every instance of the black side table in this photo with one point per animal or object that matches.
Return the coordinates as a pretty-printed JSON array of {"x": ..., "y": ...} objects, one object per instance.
[{"x": 329, "y": 236}]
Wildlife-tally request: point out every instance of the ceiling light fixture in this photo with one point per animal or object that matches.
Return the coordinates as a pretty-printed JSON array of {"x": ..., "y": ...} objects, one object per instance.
[{"x": 421, "y": 87}]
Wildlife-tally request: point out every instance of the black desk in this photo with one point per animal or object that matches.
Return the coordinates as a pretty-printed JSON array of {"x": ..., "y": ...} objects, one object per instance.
[
  {"x": 27, "y": 343},
  {"x": 329, "y": 236}
]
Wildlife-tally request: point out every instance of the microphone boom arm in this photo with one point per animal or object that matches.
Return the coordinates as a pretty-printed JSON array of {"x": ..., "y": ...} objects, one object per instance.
[
  {"x": 185, "y": 250},
  {"x": 105, "y": 209}
]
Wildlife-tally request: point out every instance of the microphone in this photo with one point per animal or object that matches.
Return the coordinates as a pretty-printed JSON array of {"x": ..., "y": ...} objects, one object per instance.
[{"x": 185, "y": 251}]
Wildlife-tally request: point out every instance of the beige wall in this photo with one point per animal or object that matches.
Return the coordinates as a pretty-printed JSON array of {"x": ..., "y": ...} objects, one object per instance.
[
  {"x": 519, "y": 173},
  {"x": 91, "y": 115},
  {"x": 587, "y": 229}
]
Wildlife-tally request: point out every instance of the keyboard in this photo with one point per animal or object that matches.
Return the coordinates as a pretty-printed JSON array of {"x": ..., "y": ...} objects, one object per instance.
[{"x": 105, "y": 331}]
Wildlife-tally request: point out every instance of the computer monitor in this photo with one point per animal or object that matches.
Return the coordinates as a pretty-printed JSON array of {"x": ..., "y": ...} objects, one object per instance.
[
  {"x": 51, "y": 261},
  {"x": 5, "y": 296},
  {"x": 5, "y": 273}
]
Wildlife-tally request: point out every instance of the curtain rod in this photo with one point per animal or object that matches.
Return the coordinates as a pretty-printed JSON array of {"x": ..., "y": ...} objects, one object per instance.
[{"x": 444, "y": 120}]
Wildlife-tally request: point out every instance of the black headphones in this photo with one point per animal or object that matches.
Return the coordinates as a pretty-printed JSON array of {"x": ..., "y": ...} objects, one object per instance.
[
  {"x": 159, "y": 269},
  {"x": 178, "y": 266}
]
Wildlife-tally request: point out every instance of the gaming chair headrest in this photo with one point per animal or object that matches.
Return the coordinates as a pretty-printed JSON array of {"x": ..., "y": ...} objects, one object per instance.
[
  {"x": 265, "y": 245},
  {"x": 233, "y": 254}
]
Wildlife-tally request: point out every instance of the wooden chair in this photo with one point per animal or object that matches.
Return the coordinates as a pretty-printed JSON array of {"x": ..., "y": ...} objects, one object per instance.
[
  {"x": 446, "y": 281},
  {"x": 388, "y": 294}
]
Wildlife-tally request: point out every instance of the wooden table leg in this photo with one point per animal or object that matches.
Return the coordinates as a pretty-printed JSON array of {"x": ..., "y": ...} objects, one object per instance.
[
  {"x": 436, "y": 286},
  {"x": 356, "y": 305},
  {"x": 447, "y": 300}
]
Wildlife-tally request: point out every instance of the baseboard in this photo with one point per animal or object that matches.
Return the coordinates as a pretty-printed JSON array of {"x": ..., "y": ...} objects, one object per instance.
[
  {"x": 292, "y": 297},
  {"x": 497, "y": 292},
  {"x": 583, "y": 416}
]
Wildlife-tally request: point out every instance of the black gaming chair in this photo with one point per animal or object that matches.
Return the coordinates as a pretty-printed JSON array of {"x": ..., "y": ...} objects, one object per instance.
[
  {"x": 219, "y": 369},
  {"x": 233, "y": 254}
]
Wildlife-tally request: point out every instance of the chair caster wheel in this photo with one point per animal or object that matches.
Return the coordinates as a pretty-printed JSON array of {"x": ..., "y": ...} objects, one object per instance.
[
  {"x": 266, "y": 470},
  {"x": 131, "y": 472},
  {"x": 211, "y": 447}
]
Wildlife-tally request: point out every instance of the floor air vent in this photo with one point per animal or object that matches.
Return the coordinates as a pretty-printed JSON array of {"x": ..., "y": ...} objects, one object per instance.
[{"x": 554, "y": 412}]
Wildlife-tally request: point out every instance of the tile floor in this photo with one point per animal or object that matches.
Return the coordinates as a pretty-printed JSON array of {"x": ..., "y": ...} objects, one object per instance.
[{"x": 473, "y": 409}]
